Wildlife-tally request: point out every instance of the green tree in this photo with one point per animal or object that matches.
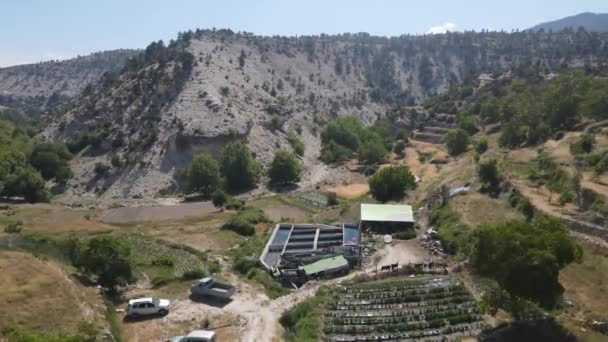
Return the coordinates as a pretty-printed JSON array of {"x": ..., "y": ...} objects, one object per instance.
[
  {"x": 468, "y": 123},
  {"x": 488, "y": 172},
  {"x": 26, "y": 182},
  {"x": 390, "y": 183},
  {"x": 285, "y": 168},
  {"x": 239, "y": 167},
  {"x": 52, "y": 160},
  {"x": 219, "y": 199},
  {"x": 561, "y": 102},
  {"x": 203, "y": 175},
  {"x": 107, "y": 258},
  {"x": 525, "y": 257},
  {"x": 456, "y": 141},
  {"x": 511, "y": 135},
  {"x": 595, "y": 103},
  {"x": 372, "y": 152}
]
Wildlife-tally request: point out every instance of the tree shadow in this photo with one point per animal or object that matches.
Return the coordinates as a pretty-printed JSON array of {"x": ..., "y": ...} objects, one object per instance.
[
  {"x": 142, "y": 318},
  {"x": 282, "y": 188},
  {"x": 211, "y": 301}
]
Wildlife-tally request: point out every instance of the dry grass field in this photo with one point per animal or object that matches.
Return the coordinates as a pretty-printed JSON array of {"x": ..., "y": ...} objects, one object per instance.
[{"x": 38, "y": 294}]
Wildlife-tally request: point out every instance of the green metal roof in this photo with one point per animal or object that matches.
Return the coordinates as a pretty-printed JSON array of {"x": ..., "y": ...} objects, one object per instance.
[
  {"x": 325, "y": 264},
  {"x": 387, "y": 212}
]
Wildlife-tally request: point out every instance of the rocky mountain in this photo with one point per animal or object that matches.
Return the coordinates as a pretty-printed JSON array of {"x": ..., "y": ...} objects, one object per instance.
[
  {"x": 592, "y": 22},
  {"x": 29, "y": 87},
  {"x": 208, "y": 87}
]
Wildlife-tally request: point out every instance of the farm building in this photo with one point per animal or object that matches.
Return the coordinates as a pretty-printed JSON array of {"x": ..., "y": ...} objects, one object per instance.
[
  {"x": 386, "y": 218},
  {"x": 293, "y": 250}
]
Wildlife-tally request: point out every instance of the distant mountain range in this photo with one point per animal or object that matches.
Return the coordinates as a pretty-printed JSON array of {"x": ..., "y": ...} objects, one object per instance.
[{"x": 593, "y": 22}]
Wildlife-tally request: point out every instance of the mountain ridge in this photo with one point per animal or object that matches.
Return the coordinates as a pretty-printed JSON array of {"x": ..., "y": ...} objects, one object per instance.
[
  {"x": 592, "y": 22},
  {"x": 162, "y": 110}
]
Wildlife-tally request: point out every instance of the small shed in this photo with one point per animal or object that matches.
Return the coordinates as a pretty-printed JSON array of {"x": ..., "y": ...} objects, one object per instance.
[
  {"x": 326, "y": 267},
  {"x": 387, "y": 218}
]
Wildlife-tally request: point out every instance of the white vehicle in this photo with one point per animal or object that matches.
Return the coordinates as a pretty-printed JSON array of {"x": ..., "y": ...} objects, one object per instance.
[
  {"x": 148, "y": 306},
  {"x": 196, "y": 336}
]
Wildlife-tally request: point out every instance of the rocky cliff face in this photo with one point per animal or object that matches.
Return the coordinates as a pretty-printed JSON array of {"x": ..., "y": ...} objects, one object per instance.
[
  {"x": 29, "y": 87},
  {"x": 212, "y": 86}
]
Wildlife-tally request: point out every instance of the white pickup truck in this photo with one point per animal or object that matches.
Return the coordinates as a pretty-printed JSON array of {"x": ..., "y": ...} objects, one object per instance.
[
  {"x": 196, "y": 336},
  {"x": 209, "y": 287}
]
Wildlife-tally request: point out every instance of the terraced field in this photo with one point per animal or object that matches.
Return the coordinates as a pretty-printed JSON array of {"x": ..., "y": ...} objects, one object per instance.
[
  {"x": 431, "y": 308},
  {"x": 146, "y": 252}
]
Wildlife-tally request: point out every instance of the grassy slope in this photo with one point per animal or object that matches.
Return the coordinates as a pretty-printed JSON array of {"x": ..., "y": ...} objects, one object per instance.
[{"x": 38, "y": 295}]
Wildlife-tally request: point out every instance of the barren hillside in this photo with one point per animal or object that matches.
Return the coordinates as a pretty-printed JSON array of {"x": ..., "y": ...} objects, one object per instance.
[
  {"x": 33, "y": 88},
  {"x": 211, "y": 86}
]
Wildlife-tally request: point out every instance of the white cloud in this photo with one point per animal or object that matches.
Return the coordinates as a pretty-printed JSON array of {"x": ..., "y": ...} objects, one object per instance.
[
  {"x": 53, "y": 55},
  {"x": 443, "y": 28}
]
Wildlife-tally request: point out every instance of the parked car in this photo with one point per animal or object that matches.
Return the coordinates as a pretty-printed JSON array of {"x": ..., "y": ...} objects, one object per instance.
[
  {"x": 209, "y": 287},
  {"x": 196, "y": 336},
  {"x": 148, "y": 306}
]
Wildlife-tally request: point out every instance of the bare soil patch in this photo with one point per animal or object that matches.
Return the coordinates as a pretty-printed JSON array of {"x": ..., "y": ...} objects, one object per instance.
[
  {"x": 350, "y": 191},
  {"x": 279, "y": 212},
  {"x": 124, "y": 215},
  {"x": 403, "y": 252}
]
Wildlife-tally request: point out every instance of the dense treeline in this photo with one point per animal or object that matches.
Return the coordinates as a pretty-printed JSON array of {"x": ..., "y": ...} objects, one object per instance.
[
  {"x": 237, "y": 170},
  {"x": 531, "y": 109},
  {"x": 26, "y": 164},
  {"x": 432, "y": 57},
  {"x": 344, "y": 136}
]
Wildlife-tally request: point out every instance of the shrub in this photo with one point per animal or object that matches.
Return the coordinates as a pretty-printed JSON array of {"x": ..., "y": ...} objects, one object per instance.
[
  {"x": 584, "y": 144},
  {"x": 244, "y": 265},
  {"x": 234, "y": 203},
  {"x": 240, "y": 226},
  {"x": 405, "y": 235},
  {"x": 390, "y": 183},
  {"x": 163, "y": 260},
  {"x": 457, "y": 141},
  {"x": 481, "y": 146},
  {"x": 296, "y": 143},
  {"x": 399, "y": 148},
  {"x": 332, "y": 199},
  {"x": 243, "y": 222},
  {"x": 14, "y": 227},
  {"x": 193, "y": 274},
  {"x": 117, "y": 161},
  {"x": 163, "y": 277},
  {"x": 101, "y": 169}
]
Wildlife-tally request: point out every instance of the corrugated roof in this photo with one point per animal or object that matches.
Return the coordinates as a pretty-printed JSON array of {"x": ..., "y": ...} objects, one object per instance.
[
  {"x": 325, "y": 264},
  {"x": 387, "y": 212}
]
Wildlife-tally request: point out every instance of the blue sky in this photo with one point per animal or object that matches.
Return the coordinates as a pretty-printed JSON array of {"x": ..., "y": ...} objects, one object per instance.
[{"x": 35, "y": 30}]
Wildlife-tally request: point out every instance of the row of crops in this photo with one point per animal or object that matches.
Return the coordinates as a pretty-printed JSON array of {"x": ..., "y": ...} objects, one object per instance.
[
  {"x": 150, "y": 252},
  {"x": 433, "y": 308}
]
